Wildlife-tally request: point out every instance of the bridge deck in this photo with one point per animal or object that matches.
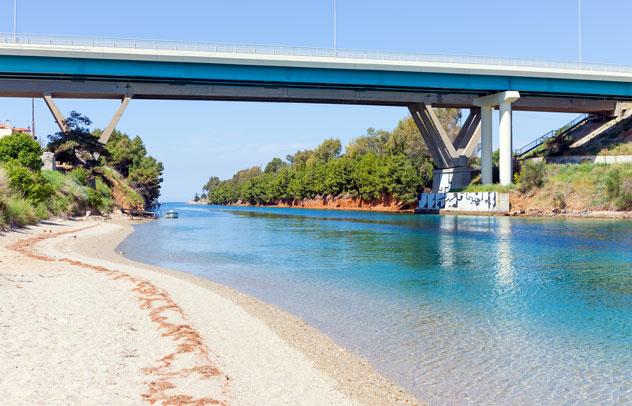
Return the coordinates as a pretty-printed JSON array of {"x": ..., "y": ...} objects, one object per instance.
[{"x": 405, "y": 76}]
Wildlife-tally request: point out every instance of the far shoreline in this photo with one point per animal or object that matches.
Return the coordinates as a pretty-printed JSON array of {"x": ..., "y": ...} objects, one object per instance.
[{"x": 529, "y": 214}]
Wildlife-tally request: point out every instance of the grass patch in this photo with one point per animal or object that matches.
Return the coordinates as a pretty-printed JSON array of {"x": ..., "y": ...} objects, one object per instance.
[
  {"x": 17, "y": 212},
  {"x": 490, "y": 188}
]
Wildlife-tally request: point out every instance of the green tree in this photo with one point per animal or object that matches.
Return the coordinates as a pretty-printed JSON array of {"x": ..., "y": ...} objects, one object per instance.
[
  {"x": 211, "y": 185},
  {"x": 76, "y": 146},
  {"x": 275, "y": 165},
  {"x": 23, "y": 149},
  {"x": 328, "y": 150},
  {"x": 123, "y": 153},
  {"x": 374, "y": 166},
  {"x": 374, "y": 141},
  {"x": 450, "y": 119},
  {"x": 27, "y": 183},
  {"x": 146, "y": 178},
  {"x": 129, "y": 157}
]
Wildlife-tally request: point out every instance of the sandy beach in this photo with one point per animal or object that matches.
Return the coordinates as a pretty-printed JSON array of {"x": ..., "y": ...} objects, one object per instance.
[{"x": 81, "y": 324}]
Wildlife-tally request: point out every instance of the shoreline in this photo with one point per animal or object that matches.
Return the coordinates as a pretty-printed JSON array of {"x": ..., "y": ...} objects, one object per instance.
[
  {"x": 330, "y": 371},
  {"x": 535, "y": 214}
]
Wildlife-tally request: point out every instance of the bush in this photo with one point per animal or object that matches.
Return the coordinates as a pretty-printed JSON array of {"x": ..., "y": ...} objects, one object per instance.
[
  {"x": 559, "y": 201},
  {"x": 21, "y": 149},
  {"x": 618, "y": 188},
  {"x": 16, "y": 211},
  {"x": 55, "y": 178},
  {"x": 80, "y": 175},
  {"x": 531, "y": 175},
  {"x": 30, "y": 185}
]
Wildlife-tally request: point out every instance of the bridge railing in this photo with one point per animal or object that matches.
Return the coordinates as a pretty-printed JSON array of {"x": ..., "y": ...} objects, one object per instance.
[{"x": 274, "y": 50}]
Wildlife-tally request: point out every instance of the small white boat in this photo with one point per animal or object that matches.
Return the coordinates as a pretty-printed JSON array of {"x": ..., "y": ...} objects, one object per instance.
[{"x": 171, "y": 214}]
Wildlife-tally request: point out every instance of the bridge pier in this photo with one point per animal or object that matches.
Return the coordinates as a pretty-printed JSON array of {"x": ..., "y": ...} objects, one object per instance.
[
  {"x": 506, "y": 150},
  {"x": 486, "y": 145},
  {"x": 487, "y": 103},
  {"x": 450, "y": 157}
]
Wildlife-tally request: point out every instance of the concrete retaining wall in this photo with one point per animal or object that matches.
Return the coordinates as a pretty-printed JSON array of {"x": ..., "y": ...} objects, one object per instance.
[
  {"x": 492, "y": 202},
  {"x": 578, "y": 159}
]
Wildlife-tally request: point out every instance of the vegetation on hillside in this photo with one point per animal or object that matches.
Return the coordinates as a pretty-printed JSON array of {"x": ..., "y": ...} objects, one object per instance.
[
  {"x": 128, "y": 156},
  {"x": 585, "y": 186},
  {"x": 28, "y": 194},
  {"x": 374, "y": 167},
  {"x": 540, "y": 186},
  {"x": 97, "y": 177}
]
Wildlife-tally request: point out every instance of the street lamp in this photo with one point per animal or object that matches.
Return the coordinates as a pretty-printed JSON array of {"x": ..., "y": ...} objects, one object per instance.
[
  {"x": 335, "y": 27},
  {"x": 15, "y": 20},
  {"x": 579, "y": 28}
]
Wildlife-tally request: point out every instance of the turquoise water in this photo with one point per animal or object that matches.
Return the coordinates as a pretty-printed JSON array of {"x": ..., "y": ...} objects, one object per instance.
[{"x": 459, "y": 310}]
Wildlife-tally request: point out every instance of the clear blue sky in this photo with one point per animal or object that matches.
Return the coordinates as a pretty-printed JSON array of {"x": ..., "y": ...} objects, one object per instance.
[{"x": 199, "y": 139}]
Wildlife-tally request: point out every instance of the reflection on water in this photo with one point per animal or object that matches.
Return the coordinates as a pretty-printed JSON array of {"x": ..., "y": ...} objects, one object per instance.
[
  {"x": 459, "y": 310},
  {"x": 505, "y": 272}
]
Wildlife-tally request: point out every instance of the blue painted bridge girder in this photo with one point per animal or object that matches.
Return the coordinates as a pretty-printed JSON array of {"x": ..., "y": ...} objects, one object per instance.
[{"x": 21, "y": 66}]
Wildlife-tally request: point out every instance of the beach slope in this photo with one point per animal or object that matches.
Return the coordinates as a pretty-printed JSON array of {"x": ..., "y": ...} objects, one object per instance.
[{"x": 80, "y": 323}]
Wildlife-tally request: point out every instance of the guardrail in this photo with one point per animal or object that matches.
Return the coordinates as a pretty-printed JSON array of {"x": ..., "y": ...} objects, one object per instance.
[
  {"x": 553, "y": 133},
  {"x": 276, "y": 50}
]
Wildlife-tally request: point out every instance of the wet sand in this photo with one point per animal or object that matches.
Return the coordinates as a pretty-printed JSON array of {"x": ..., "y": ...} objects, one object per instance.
[{"x": 80, "y": 323}]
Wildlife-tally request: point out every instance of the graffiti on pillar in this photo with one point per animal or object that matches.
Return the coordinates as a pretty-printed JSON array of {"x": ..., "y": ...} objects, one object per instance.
[{"x": 466, "y": 201}]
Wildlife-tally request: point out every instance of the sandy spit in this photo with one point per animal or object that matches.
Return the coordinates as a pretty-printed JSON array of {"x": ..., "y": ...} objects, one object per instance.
[{"x": 81, "y": 324}]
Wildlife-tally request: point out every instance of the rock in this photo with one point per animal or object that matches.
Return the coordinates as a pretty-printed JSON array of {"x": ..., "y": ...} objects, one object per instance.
[{"x": 48, "y": 159}]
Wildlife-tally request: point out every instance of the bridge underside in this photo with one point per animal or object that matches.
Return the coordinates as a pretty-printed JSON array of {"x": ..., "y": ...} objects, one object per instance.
[
  {"x": 118, "y": 89},
  {"x": 450, "y": 157}
]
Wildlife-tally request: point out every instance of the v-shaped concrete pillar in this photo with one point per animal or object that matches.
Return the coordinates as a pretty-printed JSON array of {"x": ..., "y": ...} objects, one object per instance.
[
  {"x": 445, "y": 152},
  {"x": 107, "y": 132},
  {"x": 450, "y": 157},
  {"x": 57, "y": 115}
]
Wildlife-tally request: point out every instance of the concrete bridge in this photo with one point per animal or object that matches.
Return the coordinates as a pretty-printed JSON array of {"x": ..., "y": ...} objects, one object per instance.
[{"x": 72, "y": 67}]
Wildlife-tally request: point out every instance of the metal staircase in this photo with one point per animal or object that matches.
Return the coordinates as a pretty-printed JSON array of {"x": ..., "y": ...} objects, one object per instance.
[{"x": 563, "y": 131}]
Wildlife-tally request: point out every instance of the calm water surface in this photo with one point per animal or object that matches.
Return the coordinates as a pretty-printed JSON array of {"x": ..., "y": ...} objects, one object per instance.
[{"x": 480, "y": 310}]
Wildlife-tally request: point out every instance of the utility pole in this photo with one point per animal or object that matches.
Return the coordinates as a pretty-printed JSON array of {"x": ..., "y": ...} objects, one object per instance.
[
  {"x": 33, "y": 118},
  {"x": 579, "y": 28}
]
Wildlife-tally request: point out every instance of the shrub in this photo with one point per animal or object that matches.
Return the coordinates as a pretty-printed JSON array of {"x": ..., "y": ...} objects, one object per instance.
[
  {"x": 17, "y": 212},
  {"x": 41, "y": 211},
  {"x": 618, "y": 188},
  {"x": 55, "y": 178},
  {"x": 80, "y": 175},
  {"x": 559, "y": 201},
  {"x": 531, "y": 175},
  {"x": 30, "y": 185},
  {"x": 100, "y": 198},
  {"x": 21, "y": 148}
]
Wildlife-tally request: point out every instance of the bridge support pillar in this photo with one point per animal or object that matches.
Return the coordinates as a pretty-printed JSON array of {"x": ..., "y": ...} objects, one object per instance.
[
  {"x": 107, "y": 132},
  {"x": 506, "y": 151},
  {"x": 57, "y": 115},
  {"x": 105, "y": 135},
  {"x": 487, "y": 103},
  {"x": 450, "y": 157},
  {"x": 446, "y": 179},
  {"x": 486, "y": 145}
]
